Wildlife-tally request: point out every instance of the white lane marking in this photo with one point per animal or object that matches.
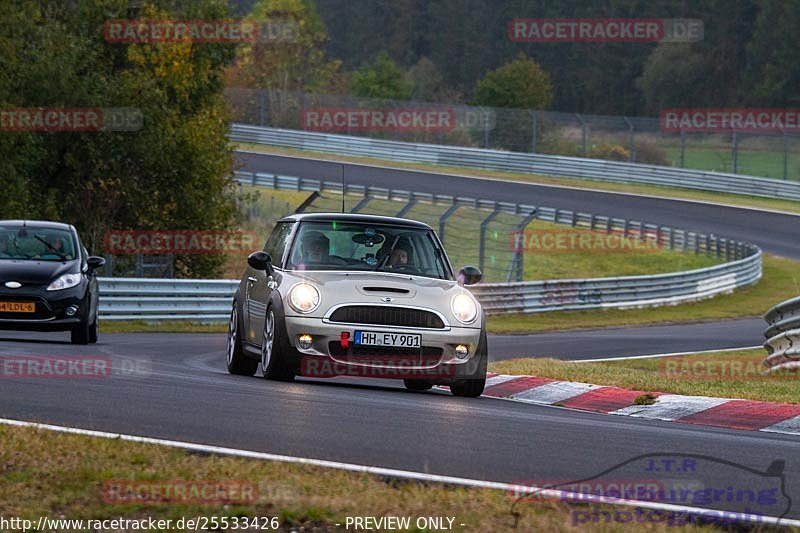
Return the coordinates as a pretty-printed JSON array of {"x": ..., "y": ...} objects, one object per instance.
[
  {"x": 552, "y": 186},
  {"x": 554, "y": 392},
  {"x": 671, "y": 407},
  {"x": 406, "y": 474},
  {"x": 498, "y": 379},
  {"x": 790, "y": 426},
  {"x": 673, "y": 354}
]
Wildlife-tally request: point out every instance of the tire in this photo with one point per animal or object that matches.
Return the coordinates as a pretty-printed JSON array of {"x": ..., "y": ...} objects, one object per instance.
[
  {"x": 81, "y": 334},
  {"x": 417, "y": 384},
  {"x": 472, "y": 386},
  {"x": 275, "y": 349},
  {"x": 94, "y": 330},
  {"x": 238, "y": 363}
]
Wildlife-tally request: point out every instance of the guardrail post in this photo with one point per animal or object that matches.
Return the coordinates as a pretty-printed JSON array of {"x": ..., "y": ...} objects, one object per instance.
[
  {"x": 485, "y": 129},
  {"x": 444, "y": 217},
  {"x": 630, "y": 129},
  {"x": 254, "y": 179},
  {"x": 520, "y": 252},
  {"x": 683, "y": 149},
  {"x": 482, "y": 244},
  {"x": 261, "y": 99},
  {"x": 406, "y": 208},
  {"x": 785, "y": 155},
  {"x": 364, "y": 201},
  {"x": 583, "y": 134}
]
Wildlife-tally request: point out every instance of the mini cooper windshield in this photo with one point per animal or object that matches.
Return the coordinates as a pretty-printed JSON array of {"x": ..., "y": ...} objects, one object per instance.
[
  {"x": 344, "y": 245},
  {"x": 28, "y": 243}
]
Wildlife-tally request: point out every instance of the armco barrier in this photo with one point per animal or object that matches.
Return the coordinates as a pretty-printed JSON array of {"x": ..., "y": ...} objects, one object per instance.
[
  {"x": 783, "y": 336},
  {"x": 548, "y": 165}
]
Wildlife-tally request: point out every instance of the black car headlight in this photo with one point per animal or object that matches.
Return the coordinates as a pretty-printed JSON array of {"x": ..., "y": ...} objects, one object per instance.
[{"x": 65, "y": 281}]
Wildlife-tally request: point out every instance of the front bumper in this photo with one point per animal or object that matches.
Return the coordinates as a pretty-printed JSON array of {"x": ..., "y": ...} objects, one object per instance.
[
  {"x": 50, "y": 309},
  {"x": 436, "y": 360}
]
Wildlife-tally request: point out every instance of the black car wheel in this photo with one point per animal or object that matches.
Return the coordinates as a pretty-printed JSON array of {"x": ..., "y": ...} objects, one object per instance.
[
  {"x": 94, "y": 331},
  {"x": 275, "y": 350},
  {"x": 81, "y": 334},
  {"x": 238, "y": 362},
  {"x": 417, "y": 384},
  {"x": 472, "y": 386}
]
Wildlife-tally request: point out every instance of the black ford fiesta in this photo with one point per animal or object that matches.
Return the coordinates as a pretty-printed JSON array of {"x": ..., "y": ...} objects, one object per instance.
[{"x": 47, "y": 280}]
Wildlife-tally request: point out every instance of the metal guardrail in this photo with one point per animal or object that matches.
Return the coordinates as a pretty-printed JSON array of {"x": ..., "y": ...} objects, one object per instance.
[
  {"x": 783, "y": 336},
  {"x": 210, "y": 300},
  {"x": 548, "y": 165}
]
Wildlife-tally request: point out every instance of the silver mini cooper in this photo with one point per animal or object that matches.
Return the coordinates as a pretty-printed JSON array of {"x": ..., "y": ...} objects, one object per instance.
[{"x": 358, "y": 295}]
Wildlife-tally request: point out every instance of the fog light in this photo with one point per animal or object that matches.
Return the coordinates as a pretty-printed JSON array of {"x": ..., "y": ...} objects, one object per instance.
[
  {"x": 304, "y": 341},
  {"x": 71, "y": 310},
  {"x": 462, "y": 351}
]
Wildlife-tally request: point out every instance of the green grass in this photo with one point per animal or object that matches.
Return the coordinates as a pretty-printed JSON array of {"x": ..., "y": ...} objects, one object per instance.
[
  {"x": 781, "y": 281},
  {"x": 708, "y": 374},
  {"x": 753, "y": 162},
  {"x": 789, "y": 206},
  {"x": 50, "y": 474}
]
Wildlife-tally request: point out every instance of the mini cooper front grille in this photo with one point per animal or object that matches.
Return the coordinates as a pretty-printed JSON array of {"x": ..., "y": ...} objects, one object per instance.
[{"x": 387, "y": 316}]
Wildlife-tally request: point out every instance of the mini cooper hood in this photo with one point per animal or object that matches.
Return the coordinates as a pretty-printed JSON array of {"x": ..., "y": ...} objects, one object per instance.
[
  {"x": 378, "y": 288},
  {"x": 34, "y": 272}
]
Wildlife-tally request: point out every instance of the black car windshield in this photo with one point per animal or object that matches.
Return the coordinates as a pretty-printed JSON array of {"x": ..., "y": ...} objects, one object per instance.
[
  {"x": 27, "y": 243},
  {"x": 347, "y": 246}
]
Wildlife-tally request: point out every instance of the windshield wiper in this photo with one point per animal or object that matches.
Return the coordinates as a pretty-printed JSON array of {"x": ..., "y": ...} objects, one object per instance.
[{"x": 62, "y": 255}]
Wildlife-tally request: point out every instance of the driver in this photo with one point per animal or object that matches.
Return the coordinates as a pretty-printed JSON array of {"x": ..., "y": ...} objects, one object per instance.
[
  {"x": 315, "y": 247},
  {"x": 401, "y": 255}
]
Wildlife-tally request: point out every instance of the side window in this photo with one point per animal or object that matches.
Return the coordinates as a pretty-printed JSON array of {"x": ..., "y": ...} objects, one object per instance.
[{"x": 276, "y": 244}]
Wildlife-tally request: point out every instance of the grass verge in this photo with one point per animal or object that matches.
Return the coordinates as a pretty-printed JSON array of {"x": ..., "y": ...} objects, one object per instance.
[
  {"x": 723, "y": 374},
  {"x": 781, "y": 281},
  {"x": 43, "y": 473},
  {"x": 648, "y": 190}
]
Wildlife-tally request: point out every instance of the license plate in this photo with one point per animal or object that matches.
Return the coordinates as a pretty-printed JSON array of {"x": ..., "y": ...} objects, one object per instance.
[
  {"x": 17, "y": 307},
  {"x": 393, "y": 340}
]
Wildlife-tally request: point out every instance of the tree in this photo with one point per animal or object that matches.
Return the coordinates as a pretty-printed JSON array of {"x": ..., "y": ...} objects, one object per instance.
[
  {"x": 380, "y": 79},
  {"x": 672, "y": 77},
  {"x": 284, "y": 67},
  {"x": 173, "y": 173},
  {"x": 521, "y": 83},
  {"x": 426, "y": 81}
]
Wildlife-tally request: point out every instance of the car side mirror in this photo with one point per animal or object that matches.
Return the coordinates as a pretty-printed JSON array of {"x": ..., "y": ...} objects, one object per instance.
[
  {"x": 94, "y": 262},
  {"x": 260, "y": 261},
  {"x": 469, "y": 275}
]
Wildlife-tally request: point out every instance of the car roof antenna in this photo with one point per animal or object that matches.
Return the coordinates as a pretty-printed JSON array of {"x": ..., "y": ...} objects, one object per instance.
[{"x": 343, "y": 187}]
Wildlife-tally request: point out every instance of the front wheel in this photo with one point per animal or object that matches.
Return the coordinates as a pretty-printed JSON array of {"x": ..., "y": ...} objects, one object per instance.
[
  {"x": 472, "y": 386},
  {"x": 81, "y": 334},
  {"x": 275, "y": 350},
  {"x": 238, "y": 363}
]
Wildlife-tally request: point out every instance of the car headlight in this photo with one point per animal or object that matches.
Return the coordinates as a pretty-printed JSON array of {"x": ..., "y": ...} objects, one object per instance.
[
  {"x": 464, "y": 308},
  {"x": 303, "y": 298},
  {"x": 65, "y": 281}
]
